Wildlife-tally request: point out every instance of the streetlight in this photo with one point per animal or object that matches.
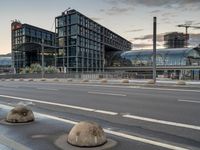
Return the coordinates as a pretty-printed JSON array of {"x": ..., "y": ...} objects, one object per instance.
[
  {"x": 42, "y": 46},
  {"x": 154, "y": 48}
]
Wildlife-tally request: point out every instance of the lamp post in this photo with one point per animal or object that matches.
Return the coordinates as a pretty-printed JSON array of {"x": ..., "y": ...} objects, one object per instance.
[
  {"x": 42, "y": 46},
  {"x": 154, "y": 48}
]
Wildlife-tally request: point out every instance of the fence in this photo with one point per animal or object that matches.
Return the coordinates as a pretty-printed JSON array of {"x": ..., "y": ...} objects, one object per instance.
[{"x": 91, "y": 76}]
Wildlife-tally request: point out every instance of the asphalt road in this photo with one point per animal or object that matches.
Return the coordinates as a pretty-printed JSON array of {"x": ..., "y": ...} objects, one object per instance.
[{"x": 169, "y": 117}]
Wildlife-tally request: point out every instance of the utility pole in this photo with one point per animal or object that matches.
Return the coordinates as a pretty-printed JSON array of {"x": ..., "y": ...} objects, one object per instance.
[
  {"x": 154, "y": 48},
  {"x": 42, "y": 46}
]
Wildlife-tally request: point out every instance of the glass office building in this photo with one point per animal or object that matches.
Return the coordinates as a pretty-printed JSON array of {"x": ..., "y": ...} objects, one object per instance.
[
  {"x": 26, "y": 45},
  {"x": 84, "y": 45}
]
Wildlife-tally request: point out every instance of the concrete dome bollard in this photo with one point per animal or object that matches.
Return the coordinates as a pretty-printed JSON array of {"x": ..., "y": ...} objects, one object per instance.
[
  {"x": 56, "y": 79},
  {"x": 69, "y": 80},
  {"x": 20, "y": 114},
  {"x": 87, "y": 134},
  {"x": 43, "y": 79},
  {"x": 125, "y": 81},
  {"x": 3, "y": 79},
  {"x": 31, "y": 79},
  {"x": 150, "y": 82},
  {"x": 21, "y": 79},
  {"x": 180, "y": 82},
  {"x": 104, "y": 81},
  {"x": 85, "y": 80}
]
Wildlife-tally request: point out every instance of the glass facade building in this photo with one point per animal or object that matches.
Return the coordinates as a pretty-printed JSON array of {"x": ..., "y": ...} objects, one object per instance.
[
  {"x": 165, "y": 57},
  {"x": 26, "y": 45},
  {"x": 83, "y": 43}
]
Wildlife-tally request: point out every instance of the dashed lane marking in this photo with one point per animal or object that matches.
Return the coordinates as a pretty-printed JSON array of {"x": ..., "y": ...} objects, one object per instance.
[{"x": 110, "y": 94}]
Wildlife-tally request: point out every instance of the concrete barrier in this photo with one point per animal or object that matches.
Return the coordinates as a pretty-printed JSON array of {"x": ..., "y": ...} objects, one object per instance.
[
  {"x": 180, "y": 82},
  {"x": 21, "y": 79},
  {"x": 87, "y": 134},
  {"x": 20, "y": 114},
  {"x": 104, "y": 81},
  {"x": 150, "y": 82},
  {"x": 31, "y": 79},
  {"x": 43, "y": 79},
  {"x": 125, "y": 81},
  {"x": 85, "y": 80}
]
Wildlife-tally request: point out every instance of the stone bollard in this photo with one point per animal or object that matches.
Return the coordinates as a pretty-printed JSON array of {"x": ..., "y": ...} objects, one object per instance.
[
  {"x": 125, "y": 81},
  {"x": 180, "y": 82},
  {"x": 20, "y": 114},
  {"x": 56, "y": 79},
  {"x": 12, "y": 79},
  {"x": 69, "y": 80},
  {"x": 104, "y": 81},
  {"x": 21, "y": 79},
  {"x": 87, "y": 134},
  {"x": 150, "y": 82},
  {"x": 31, "y": 79},
  {"x": 3, "y": 79},
  {"x": 85, "y": 80},
  {"x": 43, "y": 79}
]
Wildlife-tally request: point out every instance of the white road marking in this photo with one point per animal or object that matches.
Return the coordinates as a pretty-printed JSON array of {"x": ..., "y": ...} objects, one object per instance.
[
  {"x": 106, "y": 112},
  {"x": 111, "y": 94},
  {"x": 58, "y": 104},
  {"x": 12, "y": 144},
  {"x": 188, "y": 101},
  {"x": 48, "y": 89},
  {"x": 167, "y": 89},
  {"x": 143, "y": 140},
  {"x": 163, "y": 122},
  {"x": 119, "y": 134}
]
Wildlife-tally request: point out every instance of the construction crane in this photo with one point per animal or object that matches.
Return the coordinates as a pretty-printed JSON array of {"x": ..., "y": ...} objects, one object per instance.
[{"x": 187, "y": 26}]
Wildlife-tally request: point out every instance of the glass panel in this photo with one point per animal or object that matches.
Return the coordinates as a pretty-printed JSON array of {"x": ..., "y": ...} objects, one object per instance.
[
  {"x": 73, "y": 29},
  {"x": 74, "y": 19},
  {"x": 72, "y": 40}
]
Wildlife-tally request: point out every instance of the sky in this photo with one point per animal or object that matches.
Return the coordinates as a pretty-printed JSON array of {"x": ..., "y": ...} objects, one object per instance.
[{"x": 132, "y": 19}]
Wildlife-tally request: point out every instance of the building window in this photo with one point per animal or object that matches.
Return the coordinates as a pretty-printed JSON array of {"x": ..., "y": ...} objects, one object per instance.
[
  {"x": 61, "y": 31},
  {"x": 73, "y": 19},
  {"x": 73, "y": 29},
  {"x": 72, "y": 51},
  {"x": 72, "y": 40}
]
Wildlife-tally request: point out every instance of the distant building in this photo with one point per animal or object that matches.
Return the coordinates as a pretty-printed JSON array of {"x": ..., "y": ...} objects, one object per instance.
[
  {"x": 26, "y": 45},
  {"x": 85, "y": 45},
  {"x": 175, "y": 40},
  {"x": 5, "y": 64}
]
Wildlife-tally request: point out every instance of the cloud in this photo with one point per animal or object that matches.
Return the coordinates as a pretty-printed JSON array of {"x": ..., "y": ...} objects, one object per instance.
[
  {"x": 146, "y": 41},
  {"x": 160, "y": 37},
  {"x": 157, "y": 3},
  {"x": 142, "y": 45},
  {"x": 115, "y": 10},
  {"x": 155, "y": 11},
  {"x": 96, "y": 18},
  {"x": 134, "y": 30},
  {"x": 194, "y": 39}
]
